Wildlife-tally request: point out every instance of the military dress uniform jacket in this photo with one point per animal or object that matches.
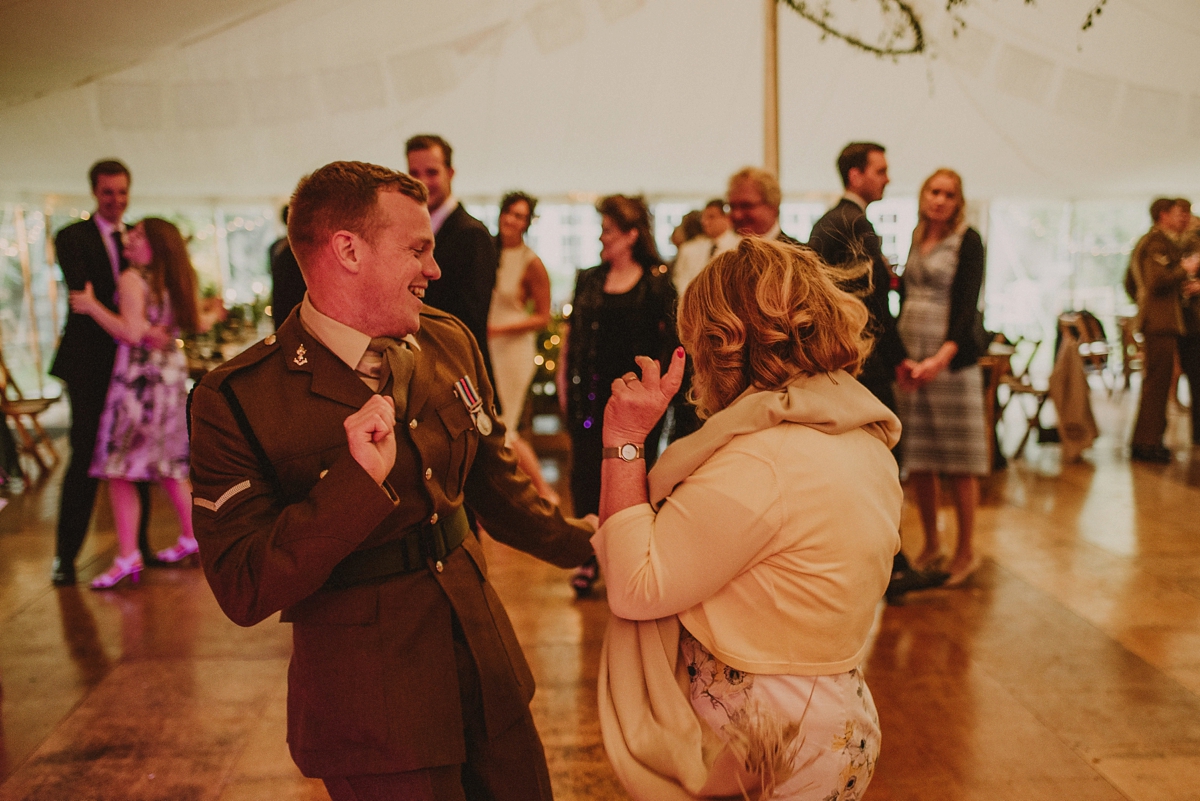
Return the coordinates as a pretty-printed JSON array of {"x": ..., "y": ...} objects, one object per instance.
[
  {"x": 1155, "y": 266},
  {"x": 372, "y": 686}
]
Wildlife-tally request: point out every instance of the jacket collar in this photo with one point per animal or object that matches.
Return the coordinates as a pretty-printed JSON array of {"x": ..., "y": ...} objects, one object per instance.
[
  {"x": 302, "y": 352},
  {"x": 832, "y": 403}
]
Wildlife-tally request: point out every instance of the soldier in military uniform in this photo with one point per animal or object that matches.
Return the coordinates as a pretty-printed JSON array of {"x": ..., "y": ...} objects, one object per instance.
[
  {"x": 1157, "y": 275},
  {"x": 344, "y": 508}
]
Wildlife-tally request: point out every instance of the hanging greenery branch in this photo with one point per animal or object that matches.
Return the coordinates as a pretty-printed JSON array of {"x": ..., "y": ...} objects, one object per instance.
[
  {"x": 902, "y": 34},
  {"x": 1095, "y": 12}
]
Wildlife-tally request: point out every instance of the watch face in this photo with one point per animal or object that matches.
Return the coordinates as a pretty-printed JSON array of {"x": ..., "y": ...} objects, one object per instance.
[{"x": 629, "y": 451}]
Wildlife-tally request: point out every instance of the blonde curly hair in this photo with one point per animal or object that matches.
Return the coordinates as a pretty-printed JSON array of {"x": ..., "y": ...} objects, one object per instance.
[{"x": 763, "y": 315}]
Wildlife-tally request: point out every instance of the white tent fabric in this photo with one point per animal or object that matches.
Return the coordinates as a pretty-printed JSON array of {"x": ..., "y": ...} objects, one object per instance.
[{"x": 224, "y": 101}]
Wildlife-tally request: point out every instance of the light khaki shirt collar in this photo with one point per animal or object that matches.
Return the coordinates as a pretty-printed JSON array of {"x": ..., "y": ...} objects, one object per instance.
[{"x": 345, "y": 342}]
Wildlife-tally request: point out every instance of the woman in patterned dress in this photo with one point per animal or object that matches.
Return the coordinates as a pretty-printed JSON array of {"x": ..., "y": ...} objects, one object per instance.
[
  {"x": 143, "y": 430},
  {"x": 521, "y": 281},
  {"x": 757, "y": 549},
  {"x": 941, "y": 385}
]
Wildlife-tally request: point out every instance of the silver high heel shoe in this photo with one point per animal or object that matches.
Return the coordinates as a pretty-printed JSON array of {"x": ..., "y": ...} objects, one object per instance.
[{"x": 130, "y": 566}]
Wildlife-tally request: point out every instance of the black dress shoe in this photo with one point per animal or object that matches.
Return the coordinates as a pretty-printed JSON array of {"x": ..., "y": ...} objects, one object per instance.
[
  {"x": 62, "y": 573},
  {"x": 907, "y": 579},
  {"x": 1151, "y": 453},
  {"x": 150, "y": 559}
]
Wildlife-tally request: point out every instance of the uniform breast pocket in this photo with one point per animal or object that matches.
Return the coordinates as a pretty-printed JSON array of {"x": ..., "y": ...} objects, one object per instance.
[{"x": 460, "y": 429}]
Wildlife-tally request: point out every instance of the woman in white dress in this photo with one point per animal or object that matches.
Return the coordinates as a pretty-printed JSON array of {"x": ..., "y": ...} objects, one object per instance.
[{"x": 521, "y": 283}]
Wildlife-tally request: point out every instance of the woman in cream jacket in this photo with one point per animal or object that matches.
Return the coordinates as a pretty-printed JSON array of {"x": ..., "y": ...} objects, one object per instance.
[{"x": 743, "y": 573}]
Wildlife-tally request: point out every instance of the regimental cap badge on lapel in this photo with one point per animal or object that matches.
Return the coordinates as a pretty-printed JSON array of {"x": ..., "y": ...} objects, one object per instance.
[{"x": 300, "y": 359}]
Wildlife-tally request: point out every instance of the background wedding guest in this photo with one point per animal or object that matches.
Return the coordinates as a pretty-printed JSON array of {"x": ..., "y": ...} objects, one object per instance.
[
  {"x": 622, "y": 309},
  {"x": 844, "y": 238},
  {"x": 521, "y": 281},
  {"x": 143, "y": 433},
  {"x": 1189, "y": 343},
  {"x": 466, "y": 251},
  {"x": 756, "y": 549},
  {"x": 718, "y": 237},
  {"x": 287, "y": 282},
  {"x": 1157, "y": 274},
  {"x": 754, "y": 197},
  {"x": 90, "y": 251},
  {"x": 941, "y": 385}
]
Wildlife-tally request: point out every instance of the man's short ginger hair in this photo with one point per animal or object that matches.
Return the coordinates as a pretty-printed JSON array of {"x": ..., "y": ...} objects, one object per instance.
[
  {"x": 342, "y": 196},
  {"x": 766, "y": 183}
]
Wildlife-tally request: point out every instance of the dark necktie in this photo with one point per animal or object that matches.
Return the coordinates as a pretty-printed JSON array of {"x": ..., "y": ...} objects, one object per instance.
[
  {"x": 122, "y": 262},
  {"x": 395, "y": 370}
]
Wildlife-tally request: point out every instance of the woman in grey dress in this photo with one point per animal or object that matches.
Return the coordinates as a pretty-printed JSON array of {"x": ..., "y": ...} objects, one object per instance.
[{"x": 941, "y": 398}]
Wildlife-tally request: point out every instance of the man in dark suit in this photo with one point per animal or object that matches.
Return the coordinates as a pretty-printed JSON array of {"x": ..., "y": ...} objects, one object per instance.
[
  {"x": 466, "y": 251},
  {"x": 845, "y": 237},
  {"x": 754, "y": 197},
  {"x": 287, "y": 282},
  {"x": 90, "y": 251},
  {"x": 345, "y": 509}
]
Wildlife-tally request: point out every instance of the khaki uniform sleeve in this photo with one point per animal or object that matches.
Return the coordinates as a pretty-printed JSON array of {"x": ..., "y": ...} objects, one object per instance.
[
  {"x": 261, "y": 555},
  {"x": 511, "y": 510},
  {"x": 1161, "y": 272}
]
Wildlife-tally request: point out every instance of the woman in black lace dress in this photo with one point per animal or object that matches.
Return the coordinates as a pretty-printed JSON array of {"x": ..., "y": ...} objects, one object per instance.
[{"x": 623, "y": 308}]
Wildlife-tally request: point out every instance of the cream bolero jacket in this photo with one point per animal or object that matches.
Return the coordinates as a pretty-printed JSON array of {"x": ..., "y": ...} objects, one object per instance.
[{"x": 770, "y": 531}]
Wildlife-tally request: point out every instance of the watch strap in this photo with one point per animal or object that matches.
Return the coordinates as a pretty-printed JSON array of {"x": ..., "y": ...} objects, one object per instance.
[{"x": 628, "y": 452}]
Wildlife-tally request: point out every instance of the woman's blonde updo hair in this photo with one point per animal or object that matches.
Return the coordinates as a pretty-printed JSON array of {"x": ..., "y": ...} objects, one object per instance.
[{"x": 763, "y": 315}]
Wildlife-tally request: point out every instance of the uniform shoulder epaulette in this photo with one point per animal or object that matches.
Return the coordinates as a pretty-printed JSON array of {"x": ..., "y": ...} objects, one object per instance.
[{"x": 244, "y": 360}]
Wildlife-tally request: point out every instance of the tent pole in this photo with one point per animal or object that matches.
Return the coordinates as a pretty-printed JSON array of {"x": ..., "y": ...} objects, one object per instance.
[{"x": 771, "y": 87}]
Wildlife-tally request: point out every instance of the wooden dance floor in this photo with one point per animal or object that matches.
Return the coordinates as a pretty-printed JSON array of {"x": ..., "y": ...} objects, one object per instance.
[{"x": 1068, "y": 669}]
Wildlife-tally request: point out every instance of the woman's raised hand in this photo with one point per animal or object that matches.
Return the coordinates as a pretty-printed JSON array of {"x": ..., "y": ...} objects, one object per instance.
[
  {"x": 84, "y": 300},
  {"x": 637, "y": 404}
]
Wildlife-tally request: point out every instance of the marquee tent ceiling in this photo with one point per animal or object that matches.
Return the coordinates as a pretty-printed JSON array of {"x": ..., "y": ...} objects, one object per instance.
[{"x": 225, "y": 100}]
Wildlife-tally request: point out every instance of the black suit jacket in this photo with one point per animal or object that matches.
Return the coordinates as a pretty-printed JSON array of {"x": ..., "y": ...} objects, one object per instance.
[
  {"x": 466, "y": 253},
  {"x": 845, "y": 236},
  {"x": 287, "y": 282},
  {"x": 85, "y": 353}
]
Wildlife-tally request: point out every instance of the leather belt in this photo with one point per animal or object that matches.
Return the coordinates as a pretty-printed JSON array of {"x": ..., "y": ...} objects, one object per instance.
[{"x": 407, "y": 554}]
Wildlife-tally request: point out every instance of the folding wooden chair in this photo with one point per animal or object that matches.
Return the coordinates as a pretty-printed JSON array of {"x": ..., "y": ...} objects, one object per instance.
[
  {"x": 1093, "y": 344},
  {"x": 1020, "y": 384},
  {"x": 32, "y": 438}
]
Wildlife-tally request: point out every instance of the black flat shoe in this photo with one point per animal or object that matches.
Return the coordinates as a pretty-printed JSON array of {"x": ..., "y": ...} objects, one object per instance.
[
  {"x": 1155, "y": 454},
  {"x": 62, "y": 573},
  {"x": 585, "y": 578},
  {"x": 906, "y": 580}
]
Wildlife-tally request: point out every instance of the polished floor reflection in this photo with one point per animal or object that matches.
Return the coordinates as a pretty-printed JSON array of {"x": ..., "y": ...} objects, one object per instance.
[{"x": 1068, "y": 669}]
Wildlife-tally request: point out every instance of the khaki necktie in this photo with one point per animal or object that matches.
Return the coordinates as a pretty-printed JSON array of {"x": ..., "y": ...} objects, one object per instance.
[{"x": 395, "y": 370}]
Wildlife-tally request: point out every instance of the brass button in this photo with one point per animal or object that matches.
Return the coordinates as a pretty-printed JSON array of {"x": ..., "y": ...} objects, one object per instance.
[
  {"x": 439, "y": 566},
  {"x": 270, "y": 340},
  {"x": 323, "y": 474},
  {"x": 428, "y": 473},
  {"x": 433, "y": 519},
  {"x": 412, "y": 423}
]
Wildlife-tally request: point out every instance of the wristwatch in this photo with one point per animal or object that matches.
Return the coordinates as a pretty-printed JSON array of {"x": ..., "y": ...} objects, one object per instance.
[{"x": 626, "y": 453}]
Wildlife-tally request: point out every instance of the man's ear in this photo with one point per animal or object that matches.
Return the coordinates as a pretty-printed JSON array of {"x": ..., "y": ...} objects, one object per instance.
[{"x": 347, "y": 250}]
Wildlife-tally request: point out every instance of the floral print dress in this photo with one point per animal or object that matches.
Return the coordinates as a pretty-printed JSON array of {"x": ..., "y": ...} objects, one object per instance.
[
  {"x": 814, "y": 738},
  {"x": 143, "y": 429}
]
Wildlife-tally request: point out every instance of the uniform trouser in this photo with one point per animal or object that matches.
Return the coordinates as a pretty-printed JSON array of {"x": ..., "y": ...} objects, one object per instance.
[
  {"x": 1189, "y": 360},
  {"x": 510, "y": 766},
  {"x": 78, "y": 488},
  {"x": 1159, "y": 364}
]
